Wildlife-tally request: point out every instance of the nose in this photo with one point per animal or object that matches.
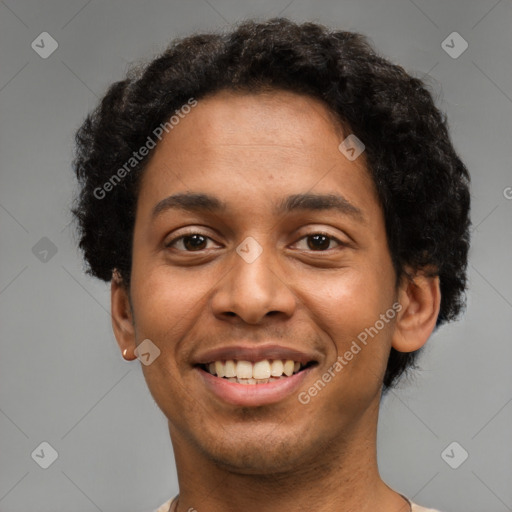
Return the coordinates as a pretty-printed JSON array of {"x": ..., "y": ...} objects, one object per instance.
[{"x": 253, "y": 290}]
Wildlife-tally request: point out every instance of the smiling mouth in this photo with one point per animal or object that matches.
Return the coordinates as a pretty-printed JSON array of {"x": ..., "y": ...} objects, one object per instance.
[{"x": 259, "y": 372}]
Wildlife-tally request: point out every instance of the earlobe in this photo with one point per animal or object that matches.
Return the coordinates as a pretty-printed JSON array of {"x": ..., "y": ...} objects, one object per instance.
[
  {"x": 122, "y": 318},
  {"x": 420, "y": 297}
]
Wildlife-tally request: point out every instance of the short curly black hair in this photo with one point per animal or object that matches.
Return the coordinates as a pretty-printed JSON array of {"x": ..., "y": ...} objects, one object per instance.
[{"x": 422, "y": 184}]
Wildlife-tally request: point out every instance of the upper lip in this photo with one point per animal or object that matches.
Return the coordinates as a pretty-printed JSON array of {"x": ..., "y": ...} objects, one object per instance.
[{"x": 254, "y": 353}]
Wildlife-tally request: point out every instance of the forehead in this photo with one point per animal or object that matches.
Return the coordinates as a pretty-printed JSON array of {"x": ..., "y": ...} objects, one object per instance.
[
  {"x": 226, "y": 117},
  {"x": 255, "y": 146}
]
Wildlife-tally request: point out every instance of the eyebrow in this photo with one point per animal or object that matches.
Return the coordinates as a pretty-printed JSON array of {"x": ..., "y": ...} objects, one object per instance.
[
  {"x": 320, "y": 202},
  {"x": 197, "y": 202},
  {"x": 192, "y": 202}
]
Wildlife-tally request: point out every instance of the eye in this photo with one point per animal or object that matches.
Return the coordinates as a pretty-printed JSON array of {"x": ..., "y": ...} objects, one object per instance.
[
  {"x": 190, "y": 242},
  {"x": 319, "y": 241},
  {"x": 194, "y": 242}
]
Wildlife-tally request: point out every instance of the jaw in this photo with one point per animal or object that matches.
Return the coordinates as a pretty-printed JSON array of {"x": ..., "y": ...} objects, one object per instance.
[{"x": 282, "y": 438}]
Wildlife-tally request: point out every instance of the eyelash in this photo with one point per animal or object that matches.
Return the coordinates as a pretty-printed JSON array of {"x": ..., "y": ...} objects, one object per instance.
[{"x": 191, "y": 233}]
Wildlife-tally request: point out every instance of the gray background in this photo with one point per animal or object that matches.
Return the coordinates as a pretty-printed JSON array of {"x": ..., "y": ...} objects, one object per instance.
[{"x": 62, "y": 379}]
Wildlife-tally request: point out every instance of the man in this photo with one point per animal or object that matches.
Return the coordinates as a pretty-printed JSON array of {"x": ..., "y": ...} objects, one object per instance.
[{"x": 284, "y": 222}]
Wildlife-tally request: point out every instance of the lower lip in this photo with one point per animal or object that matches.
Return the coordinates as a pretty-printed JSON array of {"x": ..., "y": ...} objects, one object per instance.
[{"x": 253, "y": 395}]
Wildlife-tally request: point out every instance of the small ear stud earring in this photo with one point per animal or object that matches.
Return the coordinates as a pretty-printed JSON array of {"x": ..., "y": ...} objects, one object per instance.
[{"x": 125, "y": 351}]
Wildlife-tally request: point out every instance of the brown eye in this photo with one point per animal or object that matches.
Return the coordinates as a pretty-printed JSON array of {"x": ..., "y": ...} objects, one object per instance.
[
  {"x": 319, "y": 242},
  {"x": 194, "y": 242},
  {"x": 189, "y": 243}
]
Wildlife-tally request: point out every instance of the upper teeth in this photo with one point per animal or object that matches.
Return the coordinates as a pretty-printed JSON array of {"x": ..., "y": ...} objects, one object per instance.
[{"x": 260, "y": 370}]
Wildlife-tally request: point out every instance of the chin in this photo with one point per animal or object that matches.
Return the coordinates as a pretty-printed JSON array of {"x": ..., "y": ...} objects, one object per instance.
[
  {"x": 263, "y": 453},
  {"x": 253, "y": 462}
]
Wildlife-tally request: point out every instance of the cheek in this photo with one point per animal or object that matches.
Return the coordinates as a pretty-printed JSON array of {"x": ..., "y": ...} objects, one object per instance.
[
  {"x": 353, "y": 299},
  {"x": 164, "y": 298},
  {"x": 348, "y": 309},
  {"x": 165, "y": 306},
  {"x": 361, "y": 342}
]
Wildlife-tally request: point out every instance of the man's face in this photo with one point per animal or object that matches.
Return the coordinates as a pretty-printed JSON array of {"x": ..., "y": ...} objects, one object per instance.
[{"x": 199, "y": 299}]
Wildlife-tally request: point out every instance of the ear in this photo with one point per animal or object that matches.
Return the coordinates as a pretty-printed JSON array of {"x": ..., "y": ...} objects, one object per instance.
[
  {"x": 122, "y": 317},
  {"x": 420, "y": 297}
]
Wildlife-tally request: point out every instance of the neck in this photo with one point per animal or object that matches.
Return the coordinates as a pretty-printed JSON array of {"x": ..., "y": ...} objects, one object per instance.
[{"x": 341, "y": 477}]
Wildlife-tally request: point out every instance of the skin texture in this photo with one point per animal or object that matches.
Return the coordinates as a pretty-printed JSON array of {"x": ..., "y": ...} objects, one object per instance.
[{"x": 251, "y": 151}]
